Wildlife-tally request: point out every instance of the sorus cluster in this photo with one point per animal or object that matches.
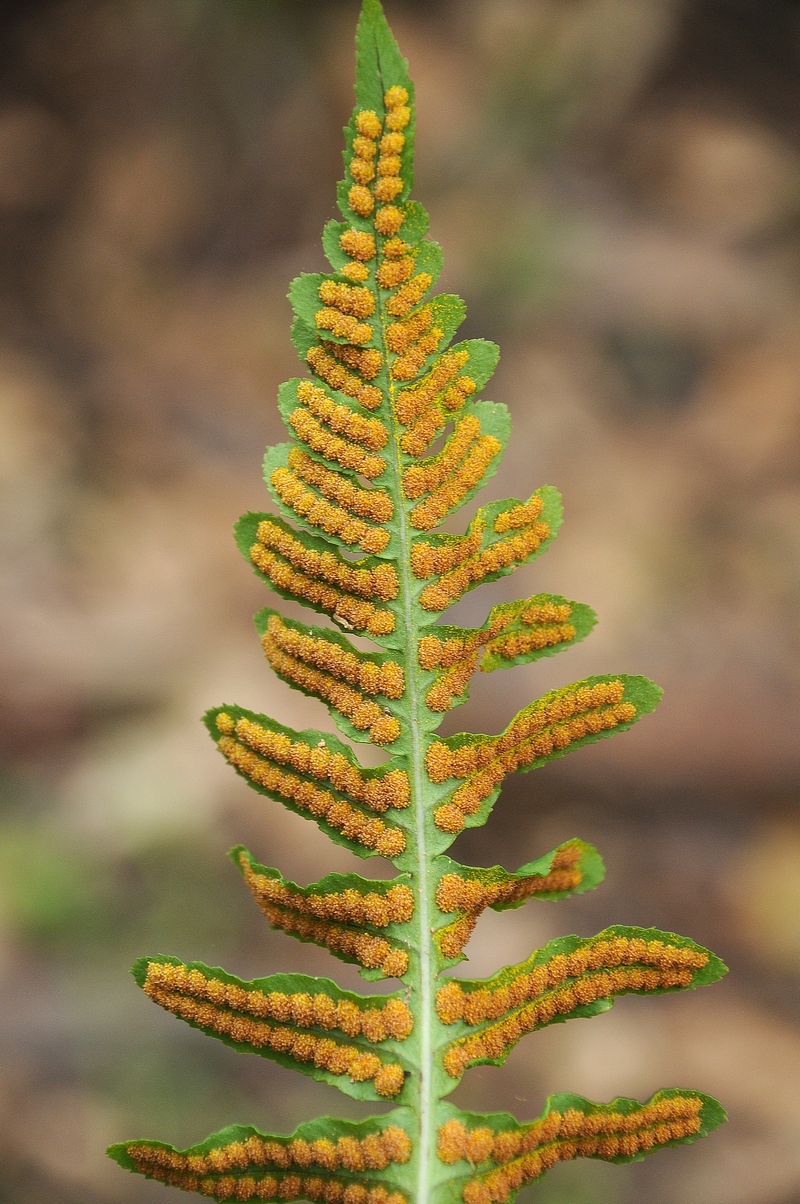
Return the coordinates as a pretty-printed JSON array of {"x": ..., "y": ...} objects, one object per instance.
[
  {"x": 466, "y": 474},
  {"x": 465, "y": 760},
  {"x": 429, "y": 474},
  {"x": 354, "y": 824},
  {"x": 599, "y": 970},
  {"x": 372, "y": 136},
  {"x": 301, "y": 1008},
  {"x": 369, "y": 432},
  {"x": 599, "y": 953},
  {"x": 496, "y": 1040},
  {"x": 345, "y": 307},
  {"x": 324, "y": 363},
  {"x": 520, "y": 643},
  {"x": 411, "y": 403},
  {"x": 549, "y": 621},
  {"x": 395, "y": 906},
  {"x": 343, "y": 326},
  {"x": 398, "y": 264},
  {"x": 335, "y": 449},
  {"x": 374, "y": 504},
  {"x": 573, "y": 1134},
  {"x": 326, "y": 517},
  {"x": 377, "y": 791},
  {"x": 326, "y": 1054},
  {"x": 293, "y": 655},
  {"x": 451, "y": 684},
  {"x": 500, "y": 555},
  {"x": 372, "y": 952},
  {"x": 425, "y": 408},
  {"x": 350, "y": 299},
  {"x": 519, "y": 516},
  {"x": 270, "y": 1187},
  {"x": 325, "y": 580},
  {"x": 431, "y": 560},
  {"x": 541, "y": 729},
  {"x": 412, "y": 341},
  {"x": 374, "y": 1152},
  {"x": 459, "y": 656},
  {"x": 473, "y": 895}
]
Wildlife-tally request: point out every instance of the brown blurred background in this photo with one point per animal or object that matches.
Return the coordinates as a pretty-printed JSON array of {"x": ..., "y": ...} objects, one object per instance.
[{"x": 617, "y": 187}]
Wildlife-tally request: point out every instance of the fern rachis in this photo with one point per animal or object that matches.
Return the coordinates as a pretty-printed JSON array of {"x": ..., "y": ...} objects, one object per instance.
[{"x": 387, "y": 381}]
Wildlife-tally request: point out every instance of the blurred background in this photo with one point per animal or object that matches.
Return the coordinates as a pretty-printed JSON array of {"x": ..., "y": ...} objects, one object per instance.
[{"x": 617, "y": 187}]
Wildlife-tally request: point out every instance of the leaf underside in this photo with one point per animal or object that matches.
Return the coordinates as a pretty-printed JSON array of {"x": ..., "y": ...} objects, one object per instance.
[{"x": 389, "y": 437}]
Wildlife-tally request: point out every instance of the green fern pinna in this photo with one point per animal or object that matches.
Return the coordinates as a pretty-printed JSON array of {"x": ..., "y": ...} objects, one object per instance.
[{"x": 357, "y": 477}]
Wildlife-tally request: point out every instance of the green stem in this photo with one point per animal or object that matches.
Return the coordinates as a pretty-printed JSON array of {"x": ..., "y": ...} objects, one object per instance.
[{"x": 424, "y": 1014}]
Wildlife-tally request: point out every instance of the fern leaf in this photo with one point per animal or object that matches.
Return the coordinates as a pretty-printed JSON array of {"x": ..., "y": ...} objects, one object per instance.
[
  {"x": 504, "y": 1155},
  {"x": 355, "y": 919},
  {"x": 388, "y": 438}
]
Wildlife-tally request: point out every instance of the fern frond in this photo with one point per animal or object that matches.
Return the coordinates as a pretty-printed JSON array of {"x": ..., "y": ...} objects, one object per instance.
[{"x": 361, "y": 490}]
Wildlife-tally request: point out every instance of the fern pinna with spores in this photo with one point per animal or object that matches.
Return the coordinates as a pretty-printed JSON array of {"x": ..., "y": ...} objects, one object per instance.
[{"x": 359, "y": 476}]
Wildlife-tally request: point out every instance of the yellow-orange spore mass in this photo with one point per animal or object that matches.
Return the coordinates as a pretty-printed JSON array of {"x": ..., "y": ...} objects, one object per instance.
[
  {"x": 351, "y": 906},
  {"x": 401, "y": 335},
  {"x": 366, "y": 361},
  {"x": 369, "y": 432},
  {"x": 388, "y": 220},
  {"x": 321, "y": 804},
  {"x": 219, "y": 1007},
  {"x": 357, "y": 243},
  {"x": 255, "y": 1154},
  {"x": 356, "y": 271},
  {"x": 428, "y": 474},
  {"x": 395, "y": 248},
  {"x": 546, "y": 612},
  {"x": 386, "y": 678},
  {"x": 368, "y": 124},
  {"x": 377, "y": 792},
  {"x": 392, "y": 143},
  {"x": 361, "y": 200},
  {"x": 411, "y": 363},
  {"x": 320, "y": 918},
  {"x": 470, "y": 896},
  {"x": 450, "y": 495},
  {"x": 424, "y": 429},
  {"x": 398, "y": 118},
  {"x": 374, "y": 1024},
  {"x": 403, "y": 301},
  {"x": 538, "y": 732},
  {"x": 363, "y": 170},
  {"x": 388, "y": 188},
  {"x": 373, "y": 504},
  {"x": 339, "y": 378},
  {"x": 430, "y": 560},
  {"x": 362, "y": 713},
  {"x": 501, "y": 554},
  {"x": 319, "y": 513},
  {"x": 357, "y": 301},
  {"x": 523, "y": 1154},
  {"x": 389, "y": 165},
  {"x": 520, "y": 643},
  {"x": 519, "y": 516},
  {"x": 273, "y": 1188},
  {"x": 412, "y": 402},
  {"x": 451, "y": 684},
  {"x": 379, "y": 582},
  {"x": 342, "y": 325},
  {"x": 333, "y": 448},
  {"x": 599, "y": 969},
  {"x": 347, "y": 592},
  {"x": 395, "y": 96},
  {"x": 394, "y": 272}
]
